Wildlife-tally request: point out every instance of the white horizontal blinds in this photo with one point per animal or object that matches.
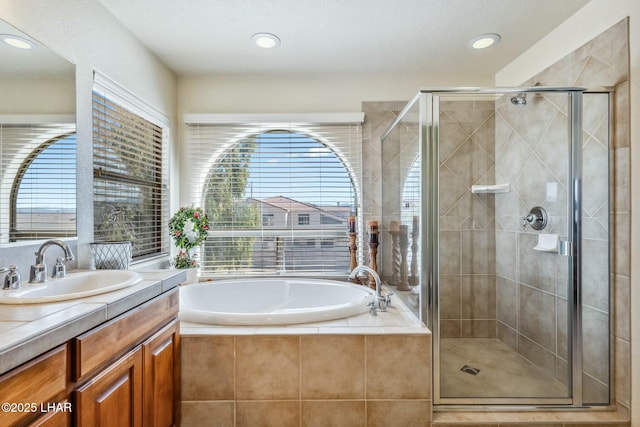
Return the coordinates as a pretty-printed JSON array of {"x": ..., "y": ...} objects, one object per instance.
[
  {"x": 277, "y": 195},
  {"x": 130, "y": 183},
  {"x": 38, "y": 169}
]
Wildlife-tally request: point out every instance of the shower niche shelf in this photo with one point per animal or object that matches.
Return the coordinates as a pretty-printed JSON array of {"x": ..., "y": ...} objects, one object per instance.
[{"x": 491, "y": 188}]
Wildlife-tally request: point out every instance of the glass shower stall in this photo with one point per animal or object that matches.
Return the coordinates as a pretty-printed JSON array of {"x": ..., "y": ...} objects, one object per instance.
[{"x": 496, "y": 206}]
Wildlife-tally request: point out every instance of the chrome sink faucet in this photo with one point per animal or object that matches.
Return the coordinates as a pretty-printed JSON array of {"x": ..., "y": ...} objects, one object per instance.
[
  {"x": 379, "y": 302},
  {"x": 38, "y": 271}
]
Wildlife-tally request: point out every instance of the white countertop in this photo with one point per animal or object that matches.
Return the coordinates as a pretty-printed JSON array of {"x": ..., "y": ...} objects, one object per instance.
[{"x": 28, "y": 330}]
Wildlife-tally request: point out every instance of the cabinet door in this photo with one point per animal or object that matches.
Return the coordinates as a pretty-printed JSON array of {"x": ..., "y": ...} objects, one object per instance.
[
  {"x": 161, "y": 377},
  {"x": 54, "y": 418},
  {"x": 42, "y": 380},
  {"x": 114, "y": 397}
]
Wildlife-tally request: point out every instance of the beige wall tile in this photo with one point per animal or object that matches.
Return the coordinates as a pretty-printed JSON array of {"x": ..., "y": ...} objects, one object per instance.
[
  {"x": 621, "y": 125},
  {"x": 621, "y": 176},
  {"x": 390, "y": 375},
  {"x": 621, "y": 244},
  {"x": 450, "y": 252},
  {"x": 207, "y": 366},
  {"x": 333, "y": 367},
  {"x": 531, "y": 425},
  {"x": 450, "y": 328},
  {"x": 385, "y": 413},
  {"x": 622, "y": 297},
  {"x": 478, "y": 296},
  {"x": 333, "y": 413},
  {"x": 621, "y": 371},
  {"x": 595, "y": 332},
  {"x": 506, "y": 301},
  {"x": 450, "y": 297},
  {"x": 537, "y": 316},
  {"x": 479, "y": 328},
  {"x": 478, "y": 252},
  {"x": 268, "y": 414},
  {"x": 267, "y": 367},
  {"x": 213, "y": 414}
]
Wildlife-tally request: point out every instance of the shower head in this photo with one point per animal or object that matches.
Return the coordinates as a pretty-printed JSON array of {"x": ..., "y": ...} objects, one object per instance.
[{"x": 520, "y": 99}]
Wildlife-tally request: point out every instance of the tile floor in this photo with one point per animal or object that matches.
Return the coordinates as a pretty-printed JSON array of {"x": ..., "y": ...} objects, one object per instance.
[{"x": 503, "y": 372}]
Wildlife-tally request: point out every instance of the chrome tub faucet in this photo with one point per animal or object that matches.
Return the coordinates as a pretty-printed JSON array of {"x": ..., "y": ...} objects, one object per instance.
[{"x": 379, "y": 303}]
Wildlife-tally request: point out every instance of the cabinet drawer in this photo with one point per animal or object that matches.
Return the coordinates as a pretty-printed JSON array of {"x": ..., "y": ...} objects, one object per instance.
[
  {"x": 100, "y": 344},
  {"x": 42, "y": 380}
]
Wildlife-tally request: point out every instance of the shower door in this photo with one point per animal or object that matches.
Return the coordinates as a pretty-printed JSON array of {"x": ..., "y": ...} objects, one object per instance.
[{"x": 501, "y": 213}]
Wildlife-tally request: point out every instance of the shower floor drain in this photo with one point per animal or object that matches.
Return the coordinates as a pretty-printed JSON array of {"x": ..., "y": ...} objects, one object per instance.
[{"x": 470, "y": 370}]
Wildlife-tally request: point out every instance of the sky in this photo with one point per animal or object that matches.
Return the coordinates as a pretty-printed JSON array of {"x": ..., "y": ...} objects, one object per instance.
[{"x": 299, "y": 167}]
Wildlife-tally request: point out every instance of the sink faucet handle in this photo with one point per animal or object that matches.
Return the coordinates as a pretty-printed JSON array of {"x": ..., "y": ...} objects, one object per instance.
[
  {"x": 12, "y": 280},
  {"x": 59, "y": 269},
  {"x": 387, "y": 299}
]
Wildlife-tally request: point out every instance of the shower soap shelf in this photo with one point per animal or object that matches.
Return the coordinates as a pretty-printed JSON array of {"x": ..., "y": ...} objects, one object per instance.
[
  {"x": 547, "y": 243},
  {"x": 491, "y": 188}
]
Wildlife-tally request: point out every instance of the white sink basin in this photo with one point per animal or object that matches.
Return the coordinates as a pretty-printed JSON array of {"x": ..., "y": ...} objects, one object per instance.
[{"x": 75, "y": 285}]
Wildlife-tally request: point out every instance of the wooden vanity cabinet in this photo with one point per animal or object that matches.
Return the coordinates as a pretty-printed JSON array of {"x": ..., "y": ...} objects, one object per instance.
[
  {"x": 127, "y": 368},
  {"x": 161, "y": 360},
  {"x": 54, "y": 418},
  {"x": 124, "y": 372},
  {"x": 28, "y": 390}
]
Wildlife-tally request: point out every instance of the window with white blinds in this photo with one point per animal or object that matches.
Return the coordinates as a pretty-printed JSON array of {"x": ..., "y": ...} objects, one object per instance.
[
  {"x": 38, "y": 169},
  {"x": 129, "y": 177},
  {"x": 277, "y": 195}
]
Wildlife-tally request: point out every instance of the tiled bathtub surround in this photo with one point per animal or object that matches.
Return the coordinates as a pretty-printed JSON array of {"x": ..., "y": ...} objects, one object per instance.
[{"x": 361, "y": 371}]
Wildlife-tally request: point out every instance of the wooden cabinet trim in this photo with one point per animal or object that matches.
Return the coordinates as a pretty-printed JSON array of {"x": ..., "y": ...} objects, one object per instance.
[
  {"x": 161, "y": 388},
  {"x": 54, "y": 418},
  {"x": 114, "y": 392},
  {"x": 98, "y": 346},
  {"x": 42, "y": 380}
]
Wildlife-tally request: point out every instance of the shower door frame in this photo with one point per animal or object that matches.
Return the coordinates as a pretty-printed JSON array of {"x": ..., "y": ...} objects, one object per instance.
[{"x": 429, "y": 111}]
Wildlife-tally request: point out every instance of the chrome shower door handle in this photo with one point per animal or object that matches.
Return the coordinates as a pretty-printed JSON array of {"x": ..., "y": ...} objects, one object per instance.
[{"x": 565, "y": 248}]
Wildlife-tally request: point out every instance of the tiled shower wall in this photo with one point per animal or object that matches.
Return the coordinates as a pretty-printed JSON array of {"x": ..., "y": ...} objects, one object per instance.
[
  {"x": 534, "y": 283},
  {"x": 602, "y": 62},
  {"x": 467, "y": 237}
]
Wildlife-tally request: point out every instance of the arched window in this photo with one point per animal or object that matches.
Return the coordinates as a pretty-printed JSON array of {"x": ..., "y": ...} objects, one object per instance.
[
  {"x": 278, "y": 202},
  {"x": 43, "y": 194}
]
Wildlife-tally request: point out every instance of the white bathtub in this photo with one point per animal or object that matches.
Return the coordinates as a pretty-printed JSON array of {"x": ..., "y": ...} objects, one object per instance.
[{"x": 271, "y": 301}]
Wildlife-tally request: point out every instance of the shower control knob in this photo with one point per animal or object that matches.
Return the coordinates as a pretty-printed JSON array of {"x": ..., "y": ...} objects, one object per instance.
[{"x": 537, "y": 218}]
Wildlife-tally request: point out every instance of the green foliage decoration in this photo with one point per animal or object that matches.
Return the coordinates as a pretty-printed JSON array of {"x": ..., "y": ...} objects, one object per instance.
[{"x": 189, "y": 228}]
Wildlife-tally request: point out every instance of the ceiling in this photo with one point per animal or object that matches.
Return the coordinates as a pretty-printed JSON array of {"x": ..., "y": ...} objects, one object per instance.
[
  {"x": 338, "y": 37},
  {"x": 38, "y": 62}
]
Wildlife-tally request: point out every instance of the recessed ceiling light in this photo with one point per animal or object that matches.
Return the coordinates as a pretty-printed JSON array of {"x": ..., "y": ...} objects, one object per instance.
[
  {"x": 17, "y": 41},
  {"x": 266, "y": 40},
  {"x": 483, "y": 41}
]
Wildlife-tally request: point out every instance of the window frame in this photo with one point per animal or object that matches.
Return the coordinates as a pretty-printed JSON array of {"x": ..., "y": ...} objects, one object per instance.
[
  {"x": 109, "y": 90},
  {"x": 16, "y": 234},
  {"x": 209, "y": 136}
]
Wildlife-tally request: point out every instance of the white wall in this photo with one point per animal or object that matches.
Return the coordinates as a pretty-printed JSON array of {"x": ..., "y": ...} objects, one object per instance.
[
  {"x": 300, "y": 94},
  {"x": 86, "y": 34},
  {"x": 593, "y": 19}
]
